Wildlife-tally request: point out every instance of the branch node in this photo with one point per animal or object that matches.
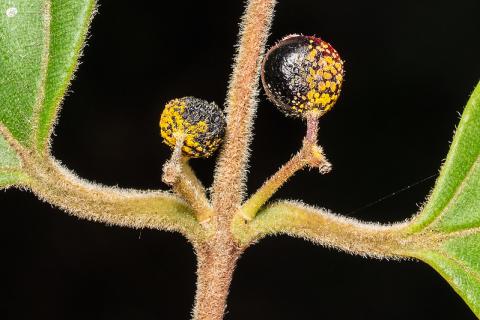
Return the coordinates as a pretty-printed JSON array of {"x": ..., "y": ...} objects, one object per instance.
[
  {"x": 173, "y": 167},
  {"x": 316, "y": 159},
  {"x": 178, "y": 174}
]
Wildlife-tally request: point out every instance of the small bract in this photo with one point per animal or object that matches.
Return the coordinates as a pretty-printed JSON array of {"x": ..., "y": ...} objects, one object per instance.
[
  {"x": 302, "y": 74},
  {"x": 199, "y": 123}
]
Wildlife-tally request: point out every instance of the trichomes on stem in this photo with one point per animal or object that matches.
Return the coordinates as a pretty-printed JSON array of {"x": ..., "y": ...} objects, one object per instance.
[{"x": 40, "y": 44}]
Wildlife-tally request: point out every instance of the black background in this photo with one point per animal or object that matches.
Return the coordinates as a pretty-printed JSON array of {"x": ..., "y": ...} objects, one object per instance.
[{"x": 410, "y": 66}]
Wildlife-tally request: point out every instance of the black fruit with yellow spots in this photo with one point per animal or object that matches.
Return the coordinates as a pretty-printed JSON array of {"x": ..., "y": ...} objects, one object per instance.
[
  {"x": 200, "y": 124},
  {"x": 302, "y": 74}
]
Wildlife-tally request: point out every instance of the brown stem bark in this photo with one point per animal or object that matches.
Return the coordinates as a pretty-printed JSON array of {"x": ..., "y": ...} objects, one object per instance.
[
  {"x": 230, "y": 174},
  {"x": 215, "y": 266},
  {"x": 217, "y": 258}
]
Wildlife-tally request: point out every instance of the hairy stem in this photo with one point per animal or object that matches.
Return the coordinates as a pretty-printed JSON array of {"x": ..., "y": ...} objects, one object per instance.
[
  {"x": 275, "y": 182},
  {"x": 197, "y": 195},
  {"x": 178, "y": 174},
  {"x": 192, "y": 177},
  {"x": 136, "y": 209},
  {"x": 331, "y": 230},
  {"x": 172, "y": 169},
  {"x": 215, "y": 266},
  {"x": 310, "y": 154},
  {"x": 229, "y": 183},
  {"x": 217, "y": 260}
]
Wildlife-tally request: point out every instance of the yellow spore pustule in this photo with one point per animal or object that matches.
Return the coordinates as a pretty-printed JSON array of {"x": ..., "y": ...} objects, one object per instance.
[
  {"x": 303, "y": 74},
  {"x": 198, "y": 123}
]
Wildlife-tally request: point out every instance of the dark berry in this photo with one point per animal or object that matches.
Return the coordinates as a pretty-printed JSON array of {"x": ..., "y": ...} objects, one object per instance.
[
  {"x": 201, "y": 124},
  {"x": 302, "y": 74}
]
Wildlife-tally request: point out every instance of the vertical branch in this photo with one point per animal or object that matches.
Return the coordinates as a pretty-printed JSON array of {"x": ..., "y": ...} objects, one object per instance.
[
  {"x": 214, "y": 274},
  {"x": 229, "y": 183},
  {"x": 217, "y": 259}
]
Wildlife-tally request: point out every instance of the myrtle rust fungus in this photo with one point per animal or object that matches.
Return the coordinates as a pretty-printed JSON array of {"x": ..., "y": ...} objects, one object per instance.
[
  {"x": 199, "y": 123},
  {"x": 302, "y": 74}
]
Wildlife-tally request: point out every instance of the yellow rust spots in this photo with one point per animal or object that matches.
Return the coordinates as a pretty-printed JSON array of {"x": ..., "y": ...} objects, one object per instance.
[
  {"x": 324, "y": 76},
  {"x": 302, "y": 74},
  {"x": 312, "y": 54},
  {"x": 174, "y": 125}
]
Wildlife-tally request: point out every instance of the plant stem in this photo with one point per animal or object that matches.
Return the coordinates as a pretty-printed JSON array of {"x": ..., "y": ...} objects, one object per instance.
[
  {"x": 322, "y": 227},
  {"x": 114, "y": 206},
  {"x": 312, "y": 129},
  {"x": 217, "y": 258},
  {"x": 310, "y": 154},
  {"x": 136, "y": 209},
  {"x": 198, "y": 195},
  {"x": 178, "y": 174},
  {"x": 230, "y": 174},
  {"x": 259, "y": 198},
  {"x": 215, "y": 266}
]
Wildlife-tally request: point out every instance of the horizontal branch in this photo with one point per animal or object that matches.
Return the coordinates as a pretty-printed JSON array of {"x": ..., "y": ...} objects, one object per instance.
[
  {"x": 325, "y": 228},
  {"x": 58, "y": 186},
  {"x": 113, "y": 206}
]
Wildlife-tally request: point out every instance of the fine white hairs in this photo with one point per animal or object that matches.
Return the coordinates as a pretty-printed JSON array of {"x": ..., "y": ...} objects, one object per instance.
[{"x": 11, "y": 12}]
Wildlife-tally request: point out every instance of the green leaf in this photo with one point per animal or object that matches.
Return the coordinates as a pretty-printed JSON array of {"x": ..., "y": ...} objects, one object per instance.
[
  {"x": 69, "y": 26},
  {"x": 452, "y": 213},
  {"x": 10, "y": 165},
  {"x": 40, "y": 42},
  {"x": 450, "y": 205},
  {"x": 23, "y": 51},
  {"x": 8, "y": 157},
  {"x": 465, "y": 282}
]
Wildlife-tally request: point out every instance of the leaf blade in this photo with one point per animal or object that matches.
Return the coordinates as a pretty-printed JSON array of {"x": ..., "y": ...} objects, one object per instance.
[
  {"x": 464, "y": 284},
  {"x": 23, "y": 51},
  {"x": 40, "y": 43},
  {"x": 10, "y": 178},
  {"x": 452, "y": 212},
  {"x": 460, "y": 164},
  {"x": 11, "y": 172},
  {"x": 69, "y": 28},
  {"x": 8, "y": 157}
]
